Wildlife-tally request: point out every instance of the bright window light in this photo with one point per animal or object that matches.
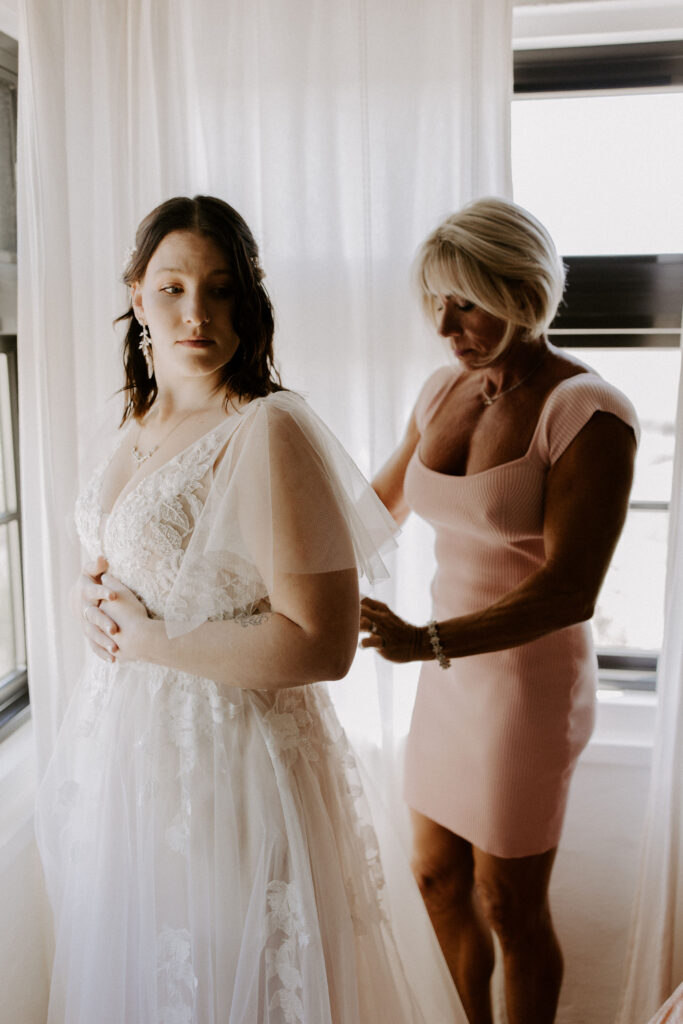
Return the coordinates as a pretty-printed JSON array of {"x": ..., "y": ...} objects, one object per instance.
[{"x": 603, "y": 173}]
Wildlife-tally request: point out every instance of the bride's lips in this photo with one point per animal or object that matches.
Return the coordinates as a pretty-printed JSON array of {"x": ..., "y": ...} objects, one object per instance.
[{"x": 195, "y": 342}]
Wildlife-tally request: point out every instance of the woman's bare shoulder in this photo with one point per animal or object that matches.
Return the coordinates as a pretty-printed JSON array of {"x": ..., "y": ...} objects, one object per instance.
[{"x": 563, "y": 365}]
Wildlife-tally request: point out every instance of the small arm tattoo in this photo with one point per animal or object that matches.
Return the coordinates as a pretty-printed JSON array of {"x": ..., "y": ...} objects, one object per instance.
[{"x": 253, "y": 620}]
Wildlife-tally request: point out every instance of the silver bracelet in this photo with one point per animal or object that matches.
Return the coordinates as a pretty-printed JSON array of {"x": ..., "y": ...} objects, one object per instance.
[{"x": 435, "y": 641}]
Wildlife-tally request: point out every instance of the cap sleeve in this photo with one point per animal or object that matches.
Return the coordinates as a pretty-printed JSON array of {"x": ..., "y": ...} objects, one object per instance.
[
  {"x": 432, "y": 391},
  {"x": 572, "y": 404}
]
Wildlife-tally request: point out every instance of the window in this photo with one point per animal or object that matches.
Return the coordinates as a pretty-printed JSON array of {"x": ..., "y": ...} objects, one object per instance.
[
  {"x": 13, "y": 676},
  {"x": 595, "y": 156}
]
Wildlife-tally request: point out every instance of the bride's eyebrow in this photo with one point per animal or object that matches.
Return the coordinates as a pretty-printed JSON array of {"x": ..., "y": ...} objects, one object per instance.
[{"x": 224, "y": 271}]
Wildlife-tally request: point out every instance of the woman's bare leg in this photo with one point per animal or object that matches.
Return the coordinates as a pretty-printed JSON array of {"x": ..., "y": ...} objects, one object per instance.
[
  {"x": 514, "y": 898},
  {"x": 443, "y": 865}
]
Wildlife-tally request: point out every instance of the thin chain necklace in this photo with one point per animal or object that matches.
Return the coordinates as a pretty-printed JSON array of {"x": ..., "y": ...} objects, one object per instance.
[
  {"x": 140, "y": 457},
  {"x": 490, "y": 399}
]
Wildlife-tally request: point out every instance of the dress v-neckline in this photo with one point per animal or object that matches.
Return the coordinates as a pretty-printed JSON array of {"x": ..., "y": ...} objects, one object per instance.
[{"x": 134, "y": 485}]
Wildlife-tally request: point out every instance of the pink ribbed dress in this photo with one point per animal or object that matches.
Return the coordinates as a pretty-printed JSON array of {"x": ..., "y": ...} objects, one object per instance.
[{"x": 494, "y": 739}]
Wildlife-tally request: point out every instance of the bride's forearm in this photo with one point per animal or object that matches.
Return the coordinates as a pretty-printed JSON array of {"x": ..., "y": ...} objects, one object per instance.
[{"x": 267, "y": 651}]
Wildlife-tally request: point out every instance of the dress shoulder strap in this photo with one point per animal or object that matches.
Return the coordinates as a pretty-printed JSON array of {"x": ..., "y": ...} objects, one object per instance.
[{"x": 571, "y": 405}]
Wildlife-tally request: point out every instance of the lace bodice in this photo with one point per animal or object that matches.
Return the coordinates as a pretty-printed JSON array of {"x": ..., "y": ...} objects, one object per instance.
[{"x": 145, "y": 535}]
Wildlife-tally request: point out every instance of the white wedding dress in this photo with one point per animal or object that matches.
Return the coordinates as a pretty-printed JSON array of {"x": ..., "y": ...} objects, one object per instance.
[{"x": 208, "y": 850}]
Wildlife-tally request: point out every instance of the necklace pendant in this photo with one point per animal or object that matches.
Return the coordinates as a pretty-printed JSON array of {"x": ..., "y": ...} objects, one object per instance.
[
  {"x": 490, "y": 399},
  {"x": 140, "y": 457}
]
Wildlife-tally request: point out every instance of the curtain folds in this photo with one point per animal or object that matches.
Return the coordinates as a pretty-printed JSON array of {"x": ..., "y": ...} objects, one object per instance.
[
  {"x": 655, "y": 955},
  {"x": 342, "y": 132}
]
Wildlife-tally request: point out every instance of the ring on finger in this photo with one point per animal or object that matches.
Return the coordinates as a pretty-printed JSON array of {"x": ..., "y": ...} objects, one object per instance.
[{"x": 373, "y": 627}]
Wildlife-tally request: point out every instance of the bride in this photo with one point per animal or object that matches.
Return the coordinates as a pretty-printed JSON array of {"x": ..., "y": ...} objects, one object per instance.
[{"x": 207, "y": 848}]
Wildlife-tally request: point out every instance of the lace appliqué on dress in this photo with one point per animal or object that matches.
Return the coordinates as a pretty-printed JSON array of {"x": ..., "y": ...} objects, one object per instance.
[
  {"x": 144, "y": 539},
  {"x": 367, "y": 899},
  {"x": 287, "y": 936},
  {"x": 96, "y": 695},
  {"x": 291, "y": 727},
  {"x": 176, "y": 981},
  {"x": 194, "y": 709},
  {"x": 193, "y": 712},
  {"x": 147, "y": 532}
]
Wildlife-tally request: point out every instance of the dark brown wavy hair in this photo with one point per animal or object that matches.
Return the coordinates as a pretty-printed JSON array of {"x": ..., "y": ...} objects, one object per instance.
[{"x": 251, "y": 372}]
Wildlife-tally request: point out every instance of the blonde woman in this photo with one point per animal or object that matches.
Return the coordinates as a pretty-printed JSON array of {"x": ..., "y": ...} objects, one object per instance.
[{"x": 521, "y": 458}]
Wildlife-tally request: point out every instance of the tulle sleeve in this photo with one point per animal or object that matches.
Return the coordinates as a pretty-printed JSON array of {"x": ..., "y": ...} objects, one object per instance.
[{"x": 285, "y": 498}]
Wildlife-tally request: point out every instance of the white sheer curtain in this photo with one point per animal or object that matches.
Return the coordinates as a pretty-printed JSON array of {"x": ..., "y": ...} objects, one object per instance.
[
  {"x": 655, "y": 956},
  {"x": 342, "y": 133}
]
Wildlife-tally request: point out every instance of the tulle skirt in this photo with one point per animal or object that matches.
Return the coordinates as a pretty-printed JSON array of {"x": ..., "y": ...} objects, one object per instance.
[{"x": 210, "y": 859}]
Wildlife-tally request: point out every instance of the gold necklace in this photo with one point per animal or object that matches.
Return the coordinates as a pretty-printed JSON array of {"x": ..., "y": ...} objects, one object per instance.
[
  {"x": 140, "y": 457},
  {"x": 490, "y": 399}
]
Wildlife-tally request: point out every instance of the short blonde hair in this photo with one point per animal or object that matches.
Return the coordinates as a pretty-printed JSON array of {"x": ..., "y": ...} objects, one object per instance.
[{"x": 496, "y": 255}]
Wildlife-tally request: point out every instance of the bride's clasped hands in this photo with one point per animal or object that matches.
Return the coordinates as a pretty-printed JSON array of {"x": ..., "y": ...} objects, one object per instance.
[
  {"x": 88, "y": 594},
  {"x": 114, "y": 618}
]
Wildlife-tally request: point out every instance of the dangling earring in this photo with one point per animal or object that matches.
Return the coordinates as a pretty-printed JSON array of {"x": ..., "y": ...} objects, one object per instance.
[{"x": 146, "y": 349}]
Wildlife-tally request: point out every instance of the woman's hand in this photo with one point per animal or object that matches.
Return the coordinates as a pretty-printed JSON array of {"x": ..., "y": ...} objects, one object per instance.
[
  {"x": 391, "y": 637},
  {"x": 129, "y": 616},
  {"x": 89, "y": 592}
]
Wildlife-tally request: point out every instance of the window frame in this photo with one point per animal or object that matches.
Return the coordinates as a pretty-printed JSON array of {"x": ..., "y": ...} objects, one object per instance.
[
  {"x": 599, "y": 318},
  {"x": 14, "y": 692},
  {"x": 621, "y": 67},
  {"x": 14, "y": 689},
  {"x": 595, "y": 70}
]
